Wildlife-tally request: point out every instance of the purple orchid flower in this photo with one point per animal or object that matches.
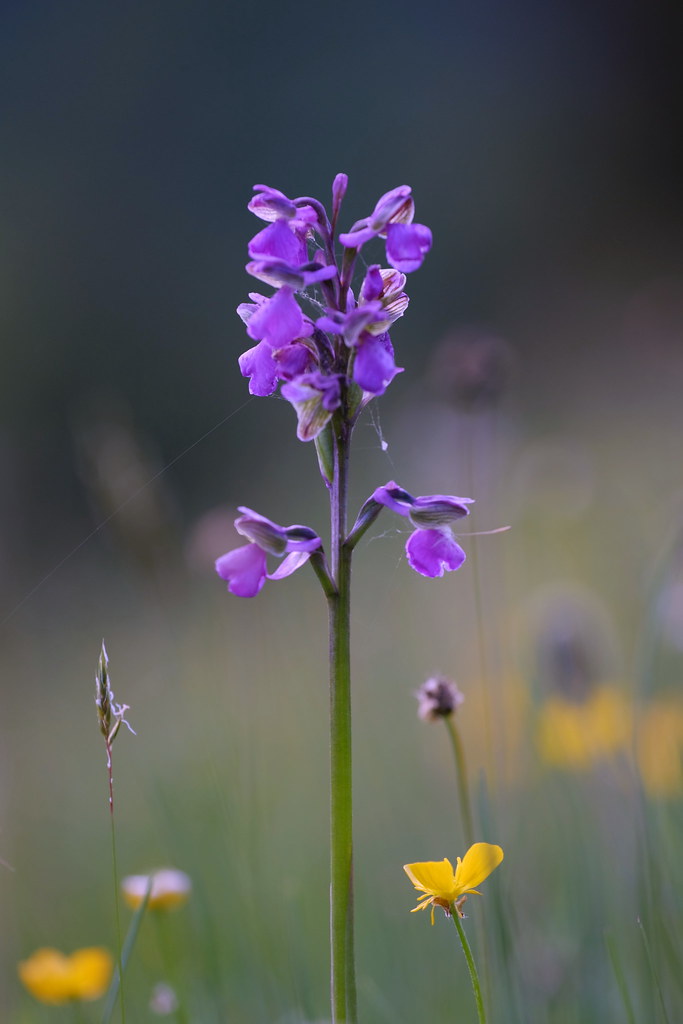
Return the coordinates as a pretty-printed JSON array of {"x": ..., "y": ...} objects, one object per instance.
[
  {"x": 407, "y": 243},
  {"x": 279, "y": 241},
  {"x": 315, "y": 397},
  {"x": 393, "y": 207},
  {"x": 374, "y": 367},
  {"x": 279, "y": 273},
  {"x": 432, "y": 548},
  {"x": 277, "y": 356},
  {"x": 245, "y": 569},
  {"x": 407, "y": 246},
  {"x": 270, "y": 204},
  {"x": 350, "y": 325},
  {"x": 278, "y": 320},
  {"x": 386, "y": 286},
  {"x": 266, "y": 366}
]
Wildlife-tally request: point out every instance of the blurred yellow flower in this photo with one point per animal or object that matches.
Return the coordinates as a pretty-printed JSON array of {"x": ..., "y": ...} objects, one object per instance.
[
  {"x": 54, "y": 978},
  {"x": 577, "y": 734},
  {"x": 445, "y": 888},
  {"x": 659, "y": 747},
  {"x": 170, "y": 888}
]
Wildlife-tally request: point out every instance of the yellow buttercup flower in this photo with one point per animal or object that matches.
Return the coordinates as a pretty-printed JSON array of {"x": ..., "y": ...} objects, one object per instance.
[
  {"x": 445, "y": 888},
  {"x": 170, "y": 888},
  {"x": 54, "y": 978}
]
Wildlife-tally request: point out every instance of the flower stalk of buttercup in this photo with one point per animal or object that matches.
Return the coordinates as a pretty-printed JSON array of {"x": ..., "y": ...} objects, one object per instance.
[{"x": 441, "y": 886}]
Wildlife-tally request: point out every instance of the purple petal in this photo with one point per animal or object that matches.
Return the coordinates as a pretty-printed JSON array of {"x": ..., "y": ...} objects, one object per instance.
[
  {"x": 262, "y": 531},
  {"x": 278, "y": 272},
  {"x": 393, "y": 496},
  {"x": 246, "y": 310},
  {"x": 244, "y": 569},
  {"x": 290, "y": 564},
  {"x": 430, "y": 552},
  {"x": 302, "y": 538},
  {"x": 279, "y": 320},
  {"x": 359, "y": 234},
  {"x": 271, "y": 204},
  {"x": 374, "y": 367},
  {"x": 435, "y": 510},
  {"x": 314, "y": 396},
  {"x": 373, "y": 284},
  {"x": 351, "y": 324},
  {"x": 258, "y": 363},
  {"x": 407, "y": 245},
  {"x": 338, "y": 192},
  {"x": 396, "y": 205},
  {"x": 293, "y": 360},
  {"x": 278, "y": 241}
]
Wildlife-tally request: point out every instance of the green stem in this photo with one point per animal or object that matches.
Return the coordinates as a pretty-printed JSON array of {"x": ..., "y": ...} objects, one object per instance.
[
  {"x": 461, "y": 772},
  {"x": 343, "y": 986},
  {"x": 476, "y": 987},
  {"x": 126, "y": 951},
  {"x": 115, "y": 872}
]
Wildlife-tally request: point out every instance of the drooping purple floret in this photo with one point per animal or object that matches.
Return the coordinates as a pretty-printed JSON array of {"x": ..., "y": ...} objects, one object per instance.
[
  {"x": 279, "y": 320},
  {"x": 350, "y": 325},
  {"x": 374, "y": 367},
  {"x": 266, "y": 366},
  {"x": 245, "y": 569},
  {"x": 395, "y": 206},
  {"x": 277, "y": 273},
  {"x": 315, "y": 397},
  {"x": 407, "y": 246},
  {"x": 279, "y": 241},
  {"x": 271, "y": 204},
  {"x": 426, "y": 511},
  {"x": 432, "y": 548}
]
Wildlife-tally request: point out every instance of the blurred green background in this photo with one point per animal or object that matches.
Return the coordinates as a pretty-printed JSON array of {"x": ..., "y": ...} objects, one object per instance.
[{"x": 544, "y": 371}]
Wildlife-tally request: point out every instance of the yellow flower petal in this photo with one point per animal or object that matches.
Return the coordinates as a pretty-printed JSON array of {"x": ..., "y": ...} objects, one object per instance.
[
  {"x": 477, "y": 864},
  {"x": 432, "y": 876},
  {"x": 47, "y": 976},
  {"x": 54, "y": 978},
  {"x": 91, "y": 971}
]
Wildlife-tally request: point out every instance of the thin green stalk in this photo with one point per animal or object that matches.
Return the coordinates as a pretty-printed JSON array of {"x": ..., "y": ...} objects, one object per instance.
[
  {"x": 619, "y": 976},
  {"x": 127, "y": 949},
  {"x": 653, "y": 970},
  {"x": 461, "y": 773},
  {"x": 115, "y": 872},
  {"x": 343, "y": 987},
  {"x": 476, "y": 987},
  {"x": 169, "y": 959}
]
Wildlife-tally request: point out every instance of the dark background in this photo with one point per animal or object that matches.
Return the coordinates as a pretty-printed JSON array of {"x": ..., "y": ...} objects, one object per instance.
[{"x": 541, "y": 141}]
